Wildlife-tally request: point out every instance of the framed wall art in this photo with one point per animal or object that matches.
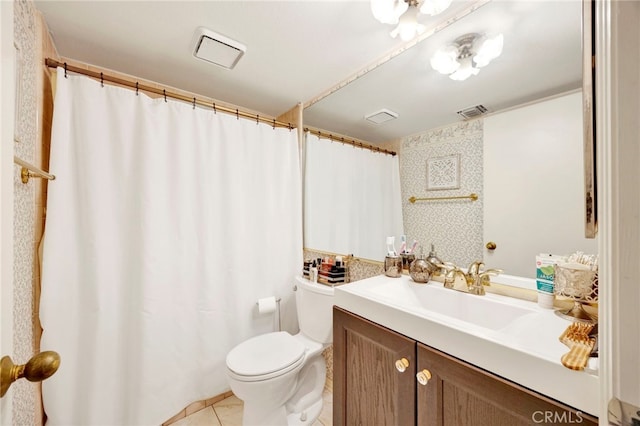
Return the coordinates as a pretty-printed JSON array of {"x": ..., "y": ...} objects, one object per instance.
[{"x": 443, "y": 172}]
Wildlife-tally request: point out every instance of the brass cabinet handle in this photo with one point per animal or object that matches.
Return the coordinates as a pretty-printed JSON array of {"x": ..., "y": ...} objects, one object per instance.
[
  {"x": 39, "y": 368},
  {"x": 491, "y": 245},
  {"x": 423, "y": 377},
  {"x": 402, "y": 364}
]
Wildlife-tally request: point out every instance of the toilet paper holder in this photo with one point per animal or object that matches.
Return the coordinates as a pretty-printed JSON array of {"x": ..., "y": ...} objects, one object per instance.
[{"x": 277, "y": 309}]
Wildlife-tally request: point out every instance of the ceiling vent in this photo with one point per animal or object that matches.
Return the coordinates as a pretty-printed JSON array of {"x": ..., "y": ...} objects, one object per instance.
[
  {"x": 217, "y": 49},
  {"x": 381, "y": 116},
  {"x": 473, "y": 112}
]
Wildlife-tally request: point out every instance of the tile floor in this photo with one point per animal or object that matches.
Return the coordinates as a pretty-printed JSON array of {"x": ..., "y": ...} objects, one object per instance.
[{"x": 228, "y": 412}]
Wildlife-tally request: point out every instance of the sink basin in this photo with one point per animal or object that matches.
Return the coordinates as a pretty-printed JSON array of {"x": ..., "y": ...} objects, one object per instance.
[
  {"x": 487, "y": 311},
  {"x": 512, "y": 338}
]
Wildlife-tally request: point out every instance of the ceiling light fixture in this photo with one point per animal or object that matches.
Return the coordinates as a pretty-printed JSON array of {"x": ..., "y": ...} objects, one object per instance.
[
  {"x": 405, "y": 14},
  {"x": 467, "y": 55}
]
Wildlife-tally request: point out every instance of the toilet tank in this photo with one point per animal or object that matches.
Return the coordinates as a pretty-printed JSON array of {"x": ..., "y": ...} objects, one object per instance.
[{"x": 314, "y": 305}]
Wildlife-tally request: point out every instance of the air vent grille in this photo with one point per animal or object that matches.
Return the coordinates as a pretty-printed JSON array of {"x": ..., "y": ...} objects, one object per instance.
[
  {"x": 381, "y": 116},
  {"x": 473, "y": 112},
  {"x": 217, "y": 49}
]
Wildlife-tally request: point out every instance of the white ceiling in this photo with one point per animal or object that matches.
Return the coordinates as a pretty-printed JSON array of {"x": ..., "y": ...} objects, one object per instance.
[{"x": 298, "y": 50}]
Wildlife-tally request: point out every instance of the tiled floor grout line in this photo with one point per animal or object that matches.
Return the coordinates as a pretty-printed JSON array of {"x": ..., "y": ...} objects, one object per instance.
[{"x": 217, "y": 416}]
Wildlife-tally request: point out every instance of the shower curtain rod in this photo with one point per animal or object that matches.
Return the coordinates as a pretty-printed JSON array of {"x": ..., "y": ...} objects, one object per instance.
[
  {"x": 52, "y": 63},
  {"x": 348, "y": 141}
]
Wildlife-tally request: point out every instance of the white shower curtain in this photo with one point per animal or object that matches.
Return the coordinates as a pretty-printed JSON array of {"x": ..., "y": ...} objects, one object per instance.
[
  {"x": 165, "y": 225},
  {"x": 352, "y": 199}
]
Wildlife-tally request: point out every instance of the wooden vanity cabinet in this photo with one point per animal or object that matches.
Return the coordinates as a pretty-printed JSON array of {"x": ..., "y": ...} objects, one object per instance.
[
  {"x": 368, "y": 389},
  {"x": 462, "y": 394}
]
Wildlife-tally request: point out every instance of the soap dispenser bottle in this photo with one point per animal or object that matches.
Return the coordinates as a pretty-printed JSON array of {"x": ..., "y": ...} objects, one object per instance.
[
  {"x": 420, "y": 269},
  {"x": 435, "y": 261}
]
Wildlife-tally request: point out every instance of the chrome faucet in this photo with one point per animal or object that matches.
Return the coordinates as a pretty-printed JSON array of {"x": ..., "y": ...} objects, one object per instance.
[{"x": 473, "y": 281}]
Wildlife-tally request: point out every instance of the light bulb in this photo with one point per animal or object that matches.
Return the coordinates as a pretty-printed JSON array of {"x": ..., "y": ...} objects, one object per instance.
[
  {"x": 489, "y": 49},
  {"x": 388, "y": 11},
  {"x": 408, "y": 26},
  {"x": 445, "y": 60},
  {"x": 465, "y": 71}
]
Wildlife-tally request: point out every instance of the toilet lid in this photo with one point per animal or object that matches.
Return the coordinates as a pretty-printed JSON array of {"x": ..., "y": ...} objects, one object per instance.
[{"x": 265, "y": 354}]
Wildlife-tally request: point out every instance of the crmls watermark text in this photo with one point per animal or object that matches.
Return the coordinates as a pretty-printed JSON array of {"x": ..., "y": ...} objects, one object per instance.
[{"x": 555, "y": 417}]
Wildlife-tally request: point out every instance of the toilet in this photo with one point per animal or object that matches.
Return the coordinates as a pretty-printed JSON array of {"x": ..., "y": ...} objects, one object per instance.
[{"x": 279, "y": 376}]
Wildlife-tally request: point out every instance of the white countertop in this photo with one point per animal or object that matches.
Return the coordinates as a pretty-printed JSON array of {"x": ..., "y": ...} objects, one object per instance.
[{"x": 526, "y": 350}]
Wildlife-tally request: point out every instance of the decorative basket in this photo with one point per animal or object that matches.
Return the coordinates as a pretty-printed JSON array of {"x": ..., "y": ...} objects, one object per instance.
[{"x": 581, "y": 285}]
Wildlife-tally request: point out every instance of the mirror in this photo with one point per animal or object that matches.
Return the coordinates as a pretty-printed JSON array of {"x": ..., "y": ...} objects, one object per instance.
[{"x": 541, "y": 64}]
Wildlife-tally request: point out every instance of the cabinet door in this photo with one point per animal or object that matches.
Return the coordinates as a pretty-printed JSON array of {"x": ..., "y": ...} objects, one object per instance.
[
  {"x": 461, "y": 394},
  {"x": 368, "y": 389}
]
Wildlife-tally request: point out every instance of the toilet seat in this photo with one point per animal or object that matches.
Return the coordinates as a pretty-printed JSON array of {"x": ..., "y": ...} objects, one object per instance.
[{"x": 265, "y": 356}]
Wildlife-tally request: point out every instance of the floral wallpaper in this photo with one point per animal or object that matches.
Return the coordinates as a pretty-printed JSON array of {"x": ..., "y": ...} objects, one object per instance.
[
  {"x": 454, "y": 227},
  {"x": 26, "y": 403}
]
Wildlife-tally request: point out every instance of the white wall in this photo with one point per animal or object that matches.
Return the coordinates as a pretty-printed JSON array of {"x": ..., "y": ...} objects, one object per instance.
[
  {"x": 508, "y": 159},
  {"x": 534, "y": 182}
]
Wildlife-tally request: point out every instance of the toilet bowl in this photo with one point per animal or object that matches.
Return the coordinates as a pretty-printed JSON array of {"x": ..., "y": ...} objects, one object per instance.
[{"x": 280, "y": 377}]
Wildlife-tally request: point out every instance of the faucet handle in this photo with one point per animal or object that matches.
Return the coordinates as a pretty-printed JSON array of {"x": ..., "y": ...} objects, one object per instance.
[
  {"x": 492, "y": 272},
  {"x": 449, "y": 271},
  {"x": 483, "y": 277},
  {"x": 447, "y": 266}
]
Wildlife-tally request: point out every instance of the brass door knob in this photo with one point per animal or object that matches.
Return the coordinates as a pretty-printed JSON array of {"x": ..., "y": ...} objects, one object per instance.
[
  {"x": 39, "y": 368},
  {"x": 491, "y": 245},
  {"x": 402, "y": 364},
  {"x": 423, "y": 377}
]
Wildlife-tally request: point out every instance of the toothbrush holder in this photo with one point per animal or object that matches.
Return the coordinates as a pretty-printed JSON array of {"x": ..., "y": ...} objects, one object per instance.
[
  {"x": 393, "y": 266},
  {"x": 407, "y": 259}
]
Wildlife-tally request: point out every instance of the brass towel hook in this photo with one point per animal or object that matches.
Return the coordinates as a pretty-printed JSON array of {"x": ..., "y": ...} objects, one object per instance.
[{"x": 39, "y": 368}]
